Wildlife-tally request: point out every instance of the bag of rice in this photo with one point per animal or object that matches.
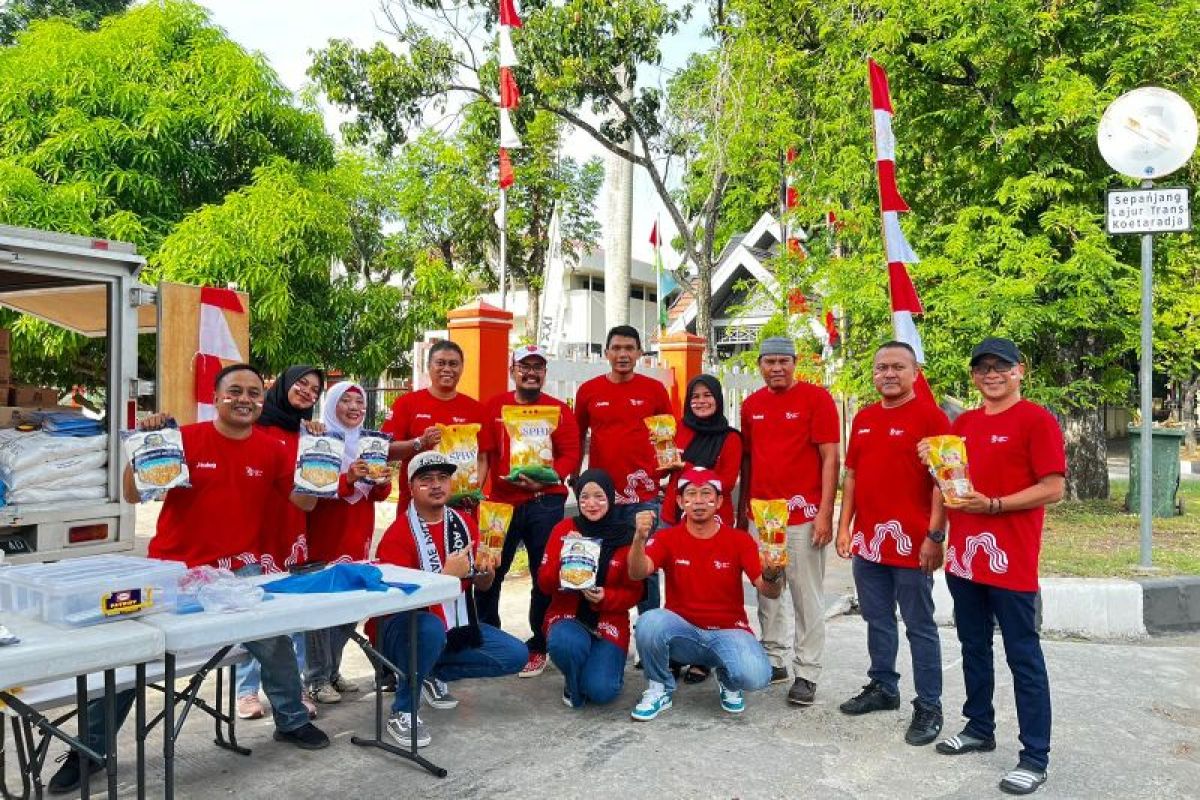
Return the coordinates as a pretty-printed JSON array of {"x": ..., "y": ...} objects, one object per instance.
[
  {"x": 318, "y": 464},
  {"x": 531, "y": 451},
  {"x": 662, "y": 436},
  {"x": 494, "y": 519},
  {"x": 578, "y": 562},
  {"x": 460, "y": 444},
  {"x": 948, "y": 464},
  {"x": 373, "y": 449},
  {"x": 157, "y": 460},
  {"x": 771, "y": 519}
]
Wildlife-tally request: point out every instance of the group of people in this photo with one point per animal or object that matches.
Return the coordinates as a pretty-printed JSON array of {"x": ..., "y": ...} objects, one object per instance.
[{"x": 680, "y": 521}]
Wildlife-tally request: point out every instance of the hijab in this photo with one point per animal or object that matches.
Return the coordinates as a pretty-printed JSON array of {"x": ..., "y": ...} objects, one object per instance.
[
  {"x": 349, "y": 435},
  {"x": 613, "y": 531},
  {"x": 710, "y": 432},
  {"x": 277, "y": 411}
]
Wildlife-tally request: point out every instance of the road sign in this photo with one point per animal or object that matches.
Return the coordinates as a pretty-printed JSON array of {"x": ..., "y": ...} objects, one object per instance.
[
  {"x": 1147, "y": 133},
  {"x": 1161, "y": 209}
]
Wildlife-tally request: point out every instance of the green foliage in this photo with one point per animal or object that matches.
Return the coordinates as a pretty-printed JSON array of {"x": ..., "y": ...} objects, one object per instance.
[{"x": 15, "y": 15}]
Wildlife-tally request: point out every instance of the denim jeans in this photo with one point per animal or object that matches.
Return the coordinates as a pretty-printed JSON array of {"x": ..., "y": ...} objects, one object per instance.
[
  {"x": 739, "y": 659},
  {"x": 594, "y": 668},
  {"x": 323, "y": 654},
  {"x": 975, "y": 604},
  {"x": 880, "y": 589},
  {"x": 531, "y": 525},
  {"x": 500, "y": 653},
  {"x": 653, "y": 598},
  {"x": 249, "y": 673}
]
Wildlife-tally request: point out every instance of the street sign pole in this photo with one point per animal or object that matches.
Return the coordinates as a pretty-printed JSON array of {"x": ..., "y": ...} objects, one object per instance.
[{"x": 1146, "y": 456}]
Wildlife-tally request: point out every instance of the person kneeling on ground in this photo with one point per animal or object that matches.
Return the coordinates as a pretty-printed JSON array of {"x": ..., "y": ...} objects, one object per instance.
[
  {"x": 452, "y": 644},
  {"x": 587, "y": 632},
  {"x": 704, "y": 621}
]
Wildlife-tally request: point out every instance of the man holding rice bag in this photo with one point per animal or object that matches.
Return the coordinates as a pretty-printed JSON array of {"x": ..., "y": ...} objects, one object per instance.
[
  {"x": 791, "y": 432},
  {"x": 535, "y": 447},
  {"x": 1017, "y": 465},
  {"x": 894, "y": 530}
]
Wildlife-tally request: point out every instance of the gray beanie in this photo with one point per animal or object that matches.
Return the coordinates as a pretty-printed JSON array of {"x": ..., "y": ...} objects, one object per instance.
[{"x": 777, "y": 346}]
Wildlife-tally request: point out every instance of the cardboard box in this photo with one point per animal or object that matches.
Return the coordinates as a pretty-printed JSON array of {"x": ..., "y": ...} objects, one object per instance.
[{"x": 33, "y": 396}]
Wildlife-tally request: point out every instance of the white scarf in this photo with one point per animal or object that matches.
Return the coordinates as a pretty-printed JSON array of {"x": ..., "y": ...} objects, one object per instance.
[{"x": 455, "y": 536}]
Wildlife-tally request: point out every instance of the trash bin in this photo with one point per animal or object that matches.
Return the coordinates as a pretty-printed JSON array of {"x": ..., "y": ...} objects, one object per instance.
[{"x": 1164, "y": 476}]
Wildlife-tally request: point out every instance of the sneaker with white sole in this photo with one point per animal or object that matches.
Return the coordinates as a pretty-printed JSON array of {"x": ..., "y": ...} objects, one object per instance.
[
  {"x": 655, "y": 700},
  {"x": 399, "y": 727},
  {"x": 731, "y": 699},
  {"x": 344, "y": 685},
  {"x": 535, "y": 666},
  {"x": 325, "y": 694},
  {"x": 437, "y": 694}
]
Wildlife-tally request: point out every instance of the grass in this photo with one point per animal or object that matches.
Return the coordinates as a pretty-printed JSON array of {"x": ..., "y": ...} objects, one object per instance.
[{"x": 1096, "y": 538}]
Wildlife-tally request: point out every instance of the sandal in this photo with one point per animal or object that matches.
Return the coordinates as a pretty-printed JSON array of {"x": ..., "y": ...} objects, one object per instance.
[{"x": 696, "y": 673}]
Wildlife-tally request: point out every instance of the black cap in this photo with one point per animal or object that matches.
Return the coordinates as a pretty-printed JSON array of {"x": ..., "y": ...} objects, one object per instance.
[{"x": 1000, "y": 348}]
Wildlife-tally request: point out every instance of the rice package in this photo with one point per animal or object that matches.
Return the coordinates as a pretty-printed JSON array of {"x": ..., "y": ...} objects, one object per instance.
[
  {"x": 771, "y": 519},
  {"x": 578, "y": 563},
  {"x": 494, "y": 519},
  {"x": 662, "y": 436},
  {"x": 948, "y": 464},
  {"x": 157, "y": 460},
  {"x": 460, "y": 444},
  {"x": 318, "y": 464},
  {"x": 531, "y": 452},
  {"x": 373, "y": 449}
]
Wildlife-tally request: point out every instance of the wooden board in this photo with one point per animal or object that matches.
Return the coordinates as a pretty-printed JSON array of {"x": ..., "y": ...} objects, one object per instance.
[
  {"x": 178, "y": 342},
  {"x": 83, "y": 309}
]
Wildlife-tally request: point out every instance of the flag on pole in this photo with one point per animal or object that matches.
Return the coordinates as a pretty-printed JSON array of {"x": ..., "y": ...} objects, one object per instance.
[
  {"x": 506, "y": 170},
  {"x": 660, "y": 277}
]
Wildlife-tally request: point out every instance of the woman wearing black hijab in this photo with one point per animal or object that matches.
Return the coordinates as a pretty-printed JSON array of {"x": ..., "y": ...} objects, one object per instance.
[{"x": 587, "y": 632}]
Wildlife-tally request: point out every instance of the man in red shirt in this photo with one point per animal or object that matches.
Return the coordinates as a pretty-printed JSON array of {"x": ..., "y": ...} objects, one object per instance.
[
  {"x": 1017, "y": 465},
  {"x": 614, "y": 407},
  {"x": 891, "y": 525},
  {"x": 234, "y": 468},
  {"x": 537, "y": 507},
  {"x": 414, "y": 417},
  {"x": 791, "y": 434},
  {"x": 704, "y": 622}
]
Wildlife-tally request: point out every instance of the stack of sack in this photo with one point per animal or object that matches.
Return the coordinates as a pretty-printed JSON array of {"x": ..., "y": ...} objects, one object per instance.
[{"x": 50, "y": 468}]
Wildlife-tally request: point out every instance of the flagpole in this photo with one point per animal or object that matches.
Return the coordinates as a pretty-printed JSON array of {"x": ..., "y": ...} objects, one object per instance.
[
  {"x": 503, "y": 248},
  {"x": 658, "y": 281}
]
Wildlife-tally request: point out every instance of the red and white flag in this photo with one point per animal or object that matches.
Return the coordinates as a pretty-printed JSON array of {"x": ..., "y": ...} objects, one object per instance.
[
  {"x": 216, "y": 344},
  {"x": 510, "y": 93}
]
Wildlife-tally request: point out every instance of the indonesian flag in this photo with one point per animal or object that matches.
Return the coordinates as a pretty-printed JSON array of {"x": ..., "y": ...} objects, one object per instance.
[
  {"x": 508, "y": 14},
  {"x": 506, "y": 170},
  {"x": 510, "y": 95},
  {"x": 216, "y": 345}
]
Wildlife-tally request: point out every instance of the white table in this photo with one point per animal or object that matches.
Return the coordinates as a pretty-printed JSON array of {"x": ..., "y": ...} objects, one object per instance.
[{"x": 50, "y": 652}]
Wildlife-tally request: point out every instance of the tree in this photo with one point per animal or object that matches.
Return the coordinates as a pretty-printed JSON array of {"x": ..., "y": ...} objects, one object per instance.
[
  {"x": 17, "y": 14},
  {"x": 1177, "y": 323}
]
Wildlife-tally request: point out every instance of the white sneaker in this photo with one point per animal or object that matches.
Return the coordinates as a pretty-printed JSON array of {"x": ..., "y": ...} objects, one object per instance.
[
  {"x": 399, "y": 727},
  {"x": 655, "y": 700},
  {"x": 344, "y": 685},
  {"x": 325, "y": 694}
]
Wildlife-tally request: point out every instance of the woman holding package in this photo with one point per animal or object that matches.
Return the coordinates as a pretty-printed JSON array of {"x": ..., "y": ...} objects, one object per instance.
[
  {"x": 340, "y": 530},
  {"x": 587, "y": 631}
]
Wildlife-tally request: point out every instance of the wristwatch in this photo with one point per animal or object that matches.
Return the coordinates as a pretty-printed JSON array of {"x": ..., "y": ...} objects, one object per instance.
[
  {"x": 416, "y": 443},
  {"x": 936, "y": 537}
]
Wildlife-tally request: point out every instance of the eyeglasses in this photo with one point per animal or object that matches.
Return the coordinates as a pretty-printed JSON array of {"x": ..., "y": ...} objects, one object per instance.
[
  {"x": 530, "y": 369},
  {"x": 1001, "y": 368}
]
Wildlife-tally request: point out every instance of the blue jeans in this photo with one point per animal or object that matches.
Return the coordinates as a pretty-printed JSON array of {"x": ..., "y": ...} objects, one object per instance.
[
  {"x": 323, "y": 654},
  {"x": 531, "y": 525},
  {"x": 739, "y": 659},
  {"x": 653, "y": 598},
  {"x": 594, "y": 668},
  {"x": 975, "y": 604},
  {"x": 500, "y": 653},
  {"x": 880, "y": 589}
]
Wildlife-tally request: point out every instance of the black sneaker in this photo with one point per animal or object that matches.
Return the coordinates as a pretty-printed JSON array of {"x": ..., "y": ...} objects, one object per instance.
[
  {"x": 67, "y": 778},
  {"x": 802, "y": 692},
  {"x": 873, "y": 697},
  {"x": 1025, "y": 779},
  {"x": 965, "y": 743},
  {"x": 306, "y": 737},
  {"x": 925, "y": 726},
  {"x": 779, "y": 675}
]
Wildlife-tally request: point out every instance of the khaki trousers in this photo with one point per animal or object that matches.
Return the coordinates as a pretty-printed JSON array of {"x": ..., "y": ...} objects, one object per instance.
[{"x": 803, "y": 601}]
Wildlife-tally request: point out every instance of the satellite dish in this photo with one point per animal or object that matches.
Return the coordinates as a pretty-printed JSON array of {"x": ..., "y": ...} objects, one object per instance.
[{"x": 1147, "y": 133}]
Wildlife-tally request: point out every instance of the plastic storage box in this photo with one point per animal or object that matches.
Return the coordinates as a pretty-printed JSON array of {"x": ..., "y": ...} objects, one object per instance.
[{"x": 86, "y": 591}]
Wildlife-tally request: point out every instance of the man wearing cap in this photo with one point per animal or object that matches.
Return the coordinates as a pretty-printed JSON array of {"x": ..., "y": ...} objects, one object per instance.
[
  {"x": 537, "y": 505},
  {"x": 1017, "y": 465},
  {"x": 791, "y": 432},
  {"x": 704, "y": 622},
  {"x": 451, "y": 641}
]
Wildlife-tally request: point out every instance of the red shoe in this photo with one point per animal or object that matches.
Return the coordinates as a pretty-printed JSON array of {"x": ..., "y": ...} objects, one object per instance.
[{"x": 535, "y": 666}]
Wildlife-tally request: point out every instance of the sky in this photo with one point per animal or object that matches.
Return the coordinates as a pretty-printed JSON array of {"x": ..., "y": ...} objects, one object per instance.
[{"x": 284, "y": 31}]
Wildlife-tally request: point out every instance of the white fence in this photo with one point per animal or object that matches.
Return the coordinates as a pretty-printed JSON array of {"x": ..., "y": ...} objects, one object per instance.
[{"x": 738, "y": 383}]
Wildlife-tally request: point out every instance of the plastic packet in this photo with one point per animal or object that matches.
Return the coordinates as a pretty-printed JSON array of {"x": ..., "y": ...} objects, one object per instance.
[
  {"x": 228, "y": 594},
  {"x": 319, "y": 464},
  {"x": 460, "y": 444},
  {"x": 771, "y": 519},
  {"x": 373, "y": 449},
  {"x": 158, "y": 461},
  {"x": 531, "y": 451},
  {"x": 662, "y": 436},
  {"x": 578, "y": 562},
  {"x": 948, "y": 465},
  {"x": 494, "y": 519}
]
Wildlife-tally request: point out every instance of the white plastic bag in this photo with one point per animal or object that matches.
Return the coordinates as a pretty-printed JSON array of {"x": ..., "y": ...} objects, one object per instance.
[
  {"x": 26, "y": 449},
  {"x": 40, "y": 495},
  {"x": 59, "y": 472}
]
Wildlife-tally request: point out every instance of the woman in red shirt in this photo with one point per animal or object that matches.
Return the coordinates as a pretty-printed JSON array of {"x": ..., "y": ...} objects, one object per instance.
[
  {"x": 340, "y": 530},
  {"x": 587, "y": 632}
]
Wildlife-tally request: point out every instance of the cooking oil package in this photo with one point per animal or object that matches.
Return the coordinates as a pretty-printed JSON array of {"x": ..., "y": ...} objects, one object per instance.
[
  {"x": 948, "y": 464},
  {"x": 494, "y": 519},
  {"x": 771, "y": 519},
  {"x": 662, "y": 436}
]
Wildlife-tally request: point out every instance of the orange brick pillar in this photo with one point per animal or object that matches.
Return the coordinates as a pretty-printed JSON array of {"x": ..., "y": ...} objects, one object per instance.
[
  {"x": 481, "y": 330},
  {"x": 684, "y": 354}
]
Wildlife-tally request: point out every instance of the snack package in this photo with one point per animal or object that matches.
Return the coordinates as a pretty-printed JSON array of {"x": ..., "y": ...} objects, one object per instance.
[
  {"x": 578, "y": 563},
  {"x": 318, "y": 464},
  {"x": 460, "y": 444},
  {"x": 373, "y": 449},
  {"x": 530, "y": 450},
  {"x": 662, "y": 436},
  {"x": 494, "y": 519},
  {"x": 771, "y": 519},
  {"x": 948, "y": 464},
  {"x": 157, "y": 460}
]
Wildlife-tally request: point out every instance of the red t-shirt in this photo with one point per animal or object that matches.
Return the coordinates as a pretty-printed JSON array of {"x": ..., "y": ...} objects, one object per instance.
[
  {"x": 704, "y": 576},
  {"x": 728, "y": 468},
  {"x": 564, "y": 440},
  {"x": 615, "y": 413},
  {"x": 219, "y": 520},
  {"x": 412, "y": 413},
  {"x": 893, "y": 490},
  {"x": 399, "y": 547},
  {"x": 1006, "y": 453},
  {"x": 782, "y": 431},
  {"x": 285, "y": 540},
  {"x": 341, "y": 531}
]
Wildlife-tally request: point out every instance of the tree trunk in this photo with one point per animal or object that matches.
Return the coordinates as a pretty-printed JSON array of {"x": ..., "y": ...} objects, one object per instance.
[
  {"x": 533, "y": 316},
  {"x": 1188, "y": 412},
  {"x": 704, "y": 326},
  {"x": 1087, "y": 454}
]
